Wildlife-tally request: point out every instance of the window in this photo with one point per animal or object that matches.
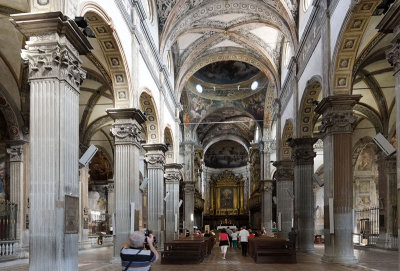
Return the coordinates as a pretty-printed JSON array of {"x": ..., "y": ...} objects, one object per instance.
[{"x": 306, "y": 5}]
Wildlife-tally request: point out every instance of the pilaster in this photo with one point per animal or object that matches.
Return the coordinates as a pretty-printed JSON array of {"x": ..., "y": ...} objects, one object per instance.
[
  {"x": 84, "y": 207},
  {"x": 172, "y": 177},
  {"x": 55, "y": 74},
  {"x": 337, "y": 128},
  {"x": 266, "y": 204},
  {"x": 303, "y": 156},
  {"x": 189, "y": 205},
  {"x": 127, "y": 137},
  {"x": 16, "y": 158},
  {"x": 284, "y": 195},
  {"x": 155, "y": 158}
]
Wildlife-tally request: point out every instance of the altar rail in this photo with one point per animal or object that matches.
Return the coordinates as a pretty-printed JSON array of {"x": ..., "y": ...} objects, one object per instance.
[{"x": 8, "y": 220}]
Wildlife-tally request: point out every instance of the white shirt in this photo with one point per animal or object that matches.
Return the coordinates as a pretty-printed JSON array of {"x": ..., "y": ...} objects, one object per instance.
[
  {"x": 234, "y": 236},
  {"x": 244, "y": 235}
]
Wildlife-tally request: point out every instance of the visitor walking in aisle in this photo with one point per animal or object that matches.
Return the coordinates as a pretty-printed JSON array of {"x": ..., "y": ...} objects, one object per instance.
[
  {"x": 234, "y": 238},
  {"x": 223, "y": 243},
  {"x": 243, "y": 240}
]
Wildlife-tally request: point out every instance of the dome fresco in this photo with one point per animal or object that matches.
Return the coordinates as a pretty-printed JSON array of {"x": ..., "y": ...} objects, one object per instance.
[
  {"x": 226, "y": 154},
  {"x": 226, "y": 72}
]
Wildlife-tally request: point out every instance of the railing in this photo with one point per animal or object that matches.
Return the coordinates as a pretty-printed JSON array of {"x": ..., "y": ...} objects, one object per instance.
[
  {"x": 9, "y": 249},
  {"x": 366, "y": 228},
  {"x": 8, "y": 220}
]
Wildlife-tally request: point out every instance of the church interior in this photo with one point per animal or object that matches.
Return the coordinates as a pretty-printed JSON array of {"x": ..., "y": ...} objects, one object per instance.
[{"x": 184, "y": 117}]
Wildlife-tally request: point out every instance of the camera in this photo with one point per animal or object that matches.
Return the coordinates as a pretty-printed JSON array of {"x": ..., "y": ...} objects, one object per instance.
[{"x": 147, "y": 234}]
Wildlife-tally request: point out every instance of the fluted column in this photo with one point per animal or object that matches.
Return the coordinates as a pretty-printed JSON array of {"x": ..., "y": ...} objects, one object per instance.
[
  {"x": 266, "y": 204},
  {"x": 155, "y": 158},
  {"x": 189, "y": 205},
  {"x": 55, "y": 74},
  {"x": 337, "y": 128},
  {"x": 16, "y": 157},
  {"x": 127, "y": 136},
  {"x": 387, "y": 201},
  {"x": 172, "y": 177},
  {"x": 84, "y": 206},
  {"x": 303, "y": 155},
  {"x": 393, "y": 56},
  {"x": 284, "y": 195}
]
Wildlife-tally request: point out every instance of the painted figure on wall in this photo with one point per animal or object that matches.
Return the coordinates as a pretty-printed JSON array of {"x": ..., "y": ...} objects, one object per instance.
[{"x": 226, "y": 198}]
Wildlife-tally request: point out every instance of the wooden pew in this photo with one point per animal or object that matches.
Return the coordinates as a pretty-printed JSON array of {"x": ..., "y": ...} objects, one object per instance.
[
  {"x": 190, "y": 250},
  {"x": 272, "y": 250}
]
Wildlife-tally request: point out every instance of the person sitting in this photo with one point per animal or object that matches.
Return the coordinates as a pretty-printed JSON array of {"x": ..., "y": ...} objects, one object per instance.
[{"x": 133, "y": 254}]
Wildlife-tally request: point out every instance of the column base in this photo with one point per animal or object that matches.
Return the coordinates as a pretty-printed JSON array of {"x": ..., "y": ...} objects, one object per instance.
[
  {"x": 347, "y": 260},
  {"x": 115, "y": 260},
  {"x": 386, "y": 241}
]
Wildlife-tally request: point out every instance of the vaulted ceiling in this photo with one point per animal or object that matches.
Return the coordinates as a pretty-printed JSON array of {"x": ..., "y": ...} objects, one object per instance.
[{"x": 224, "y": 47}]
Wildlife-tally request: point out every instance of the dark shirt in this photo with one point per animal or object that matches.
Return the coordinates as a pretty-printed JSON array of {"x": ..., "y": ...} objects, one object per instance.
[{"x": 292, "y": 236}]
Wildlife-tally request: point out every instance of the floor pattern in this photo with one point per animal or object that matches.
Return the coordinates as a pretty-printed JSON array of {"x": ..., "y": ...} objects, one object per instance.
[{"x": 369, "y": 259}]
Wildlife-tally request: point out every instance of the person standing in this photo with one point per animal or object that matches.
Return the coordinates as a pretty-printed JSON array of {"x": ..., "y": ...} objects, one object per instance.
[
  {"x": 234, "y": 238},
  {"x": 229, "y": 232},
  {"x": 243, "y": 240},
  {"x": 223, "y": 243},
  {"x": 292, "y": 237},
  {"x": 133, "y": 254}
]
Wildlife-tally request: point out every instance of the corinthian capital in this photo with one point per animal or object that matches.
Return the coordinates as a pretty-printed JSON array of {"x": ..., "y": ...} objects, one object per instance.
[
  {"x": 393, "y": 56},
  {"x": 16, "y": 153},
  {"x": 126, "y": 133},
  {"x": 155, "y": 155},
  {"x": 303, "y": 150}
]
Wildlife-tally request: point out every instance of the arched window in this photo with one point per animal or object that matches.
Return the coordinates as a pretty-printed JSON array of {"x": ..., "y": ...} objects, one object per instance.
[
  {"x": 306, "y": 5},
  {"x": 286, "y": 54}
]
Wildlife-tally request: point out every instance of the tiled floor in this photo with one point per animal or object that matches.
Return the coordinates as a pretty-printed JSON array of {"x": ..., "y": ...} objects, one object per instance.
[{"x": 370, "y": 259}]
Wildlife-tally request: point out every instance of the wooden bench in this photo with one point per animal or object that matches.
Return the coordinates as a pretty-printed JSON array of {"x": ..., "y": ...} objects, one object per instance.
[
  {"x": 190, "y": 250},
  {"x": 272, "y": 250}
]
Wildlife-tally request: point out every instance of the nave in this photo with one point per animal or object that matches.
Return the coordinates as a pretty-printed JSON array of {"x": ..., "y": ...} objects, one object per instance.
[{"x": 98, "y": 259}]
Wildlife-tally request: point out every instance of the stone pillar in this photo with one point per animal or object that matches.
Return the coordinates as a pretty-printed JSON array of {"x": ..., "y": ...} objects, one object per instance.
[
  {"x": 84, "y": 207},
  {"x": 303, "y": 155},
  {"x": 172, "y": 177},
  {"x": 266, "y": 204},
  {"x": 284, "y": 195},
  {"x": 387, "y": 202},
  {"x": 127, "y": 136},
  {"x": 189, "y": 205},
  {"x": 337, "y": 128},
  {"x": 55, "y": 74},
  {"x": 16, "y": 157},
  {"x": 155, "y": 158}
]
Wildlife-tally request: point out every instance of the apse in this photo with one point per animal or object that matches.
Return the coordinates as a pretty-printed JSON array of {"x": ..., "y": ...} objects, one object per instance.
[{"x": 226, "y": 154}]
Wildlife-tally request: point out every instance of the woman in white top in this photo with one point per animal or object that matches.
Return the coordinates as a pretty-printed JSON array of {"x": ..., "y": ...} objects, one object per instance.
[{"x": 234, "y": 238}]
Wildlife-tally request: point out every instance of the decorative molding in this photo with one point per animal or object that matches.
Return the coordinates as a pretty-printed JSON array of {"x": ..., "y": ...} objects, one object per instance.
[
  {"x": 284, "y": 170},
  {"x": 303, "y": 150},
  {"x": 16, "y": 153},
  {"x": 268, "y": 186},
  {"x": 155, "y": 155},
  {"x": 337, "y": 113},
  {"x": 393, "y": 56}
]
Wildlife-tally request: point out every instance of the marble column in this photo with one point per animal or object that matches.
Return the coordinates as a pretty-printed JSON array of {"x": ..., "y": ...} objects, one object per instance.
[
  {"x": 127, "y": 137},
  {"x": 303, "y": 156},
  {"x": 387, "y": 201},
  {"x": 189, "y": 205},
  {"x": 16, "y": 158},
  {"x": 393, "y": 56},
  {"x": 172, "y": 177},
  {"x": 337, "y": 128},
  {"x": 84, "y": 207},
  {"x": 52, "y": 53},
  {"x": 267, "y": 187},
  {"x": 284, "y": 195},
  {"x": 155, "y": 158}
]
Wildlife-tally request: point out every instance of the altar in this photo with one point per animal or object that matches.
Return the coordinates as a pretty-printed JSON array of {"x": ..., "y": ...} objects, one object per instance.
[{"x": 227, "y": 227}]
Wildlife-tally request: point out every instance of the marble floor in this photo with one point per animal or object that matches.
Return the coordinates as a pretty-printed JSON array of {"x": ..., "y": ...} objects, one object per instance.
[{"x": 369, "y": 259}]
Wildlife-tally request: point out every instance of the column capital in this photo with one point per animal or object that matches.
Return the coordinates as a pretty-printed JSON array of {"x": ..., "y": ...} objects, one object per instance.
[
  {"x": 393, "y": 56},
  {"x": 189, "y": 187},
  {"x": 53, "y": 47},
  {"x": 267, "y": 185},
  {"x": 284, "y": 170},
  {"x": 126, "y": 128},
  {"x": 337, "y": 113},
  {"x": 155, "y": 155},
  {"x": 172, "y": 173},
  {"x": 16, "y": 153},
  {"x": 303, "y": 150}
]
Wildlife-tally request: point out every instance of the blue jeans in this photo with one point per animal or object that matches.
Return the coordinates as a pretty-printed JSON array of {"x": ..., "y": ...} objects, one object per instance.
[{"x": 234, "y": 242}]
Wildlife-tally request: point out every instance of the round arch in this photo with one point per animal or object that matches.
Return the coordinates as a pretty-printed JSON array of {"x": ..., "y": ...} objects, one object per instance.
[
  {"x": 169, "y": 142},
  {"x": 11, "y": 115},
  {"x": 111, "y": 48},
  {"x": 307, "y": 106},
  {"x": 286, "y": 135},
  {"x": 148, "y": 106},
  {"x": 348, "y": 44}
]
